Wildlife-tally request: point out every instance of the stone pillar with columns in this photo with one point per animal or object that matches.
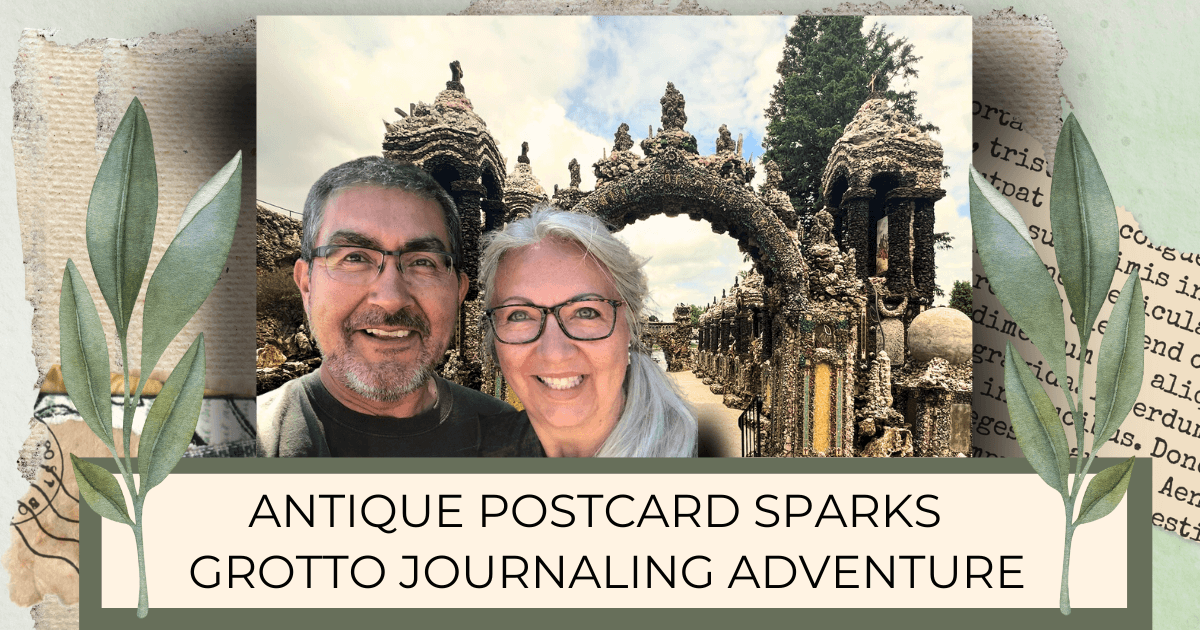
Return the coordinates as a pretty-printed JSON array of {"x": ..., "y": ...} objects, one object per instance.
[{"x": 899, "y": 272}]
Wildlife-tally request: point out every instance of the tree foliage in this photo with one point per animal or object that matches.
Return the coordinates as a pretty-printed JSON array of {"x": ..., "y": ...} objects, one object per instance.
[
  {"x": 825, "y": 76},
  {"x": 960, "y": 297},
  {"x": 942, "y": 241}
]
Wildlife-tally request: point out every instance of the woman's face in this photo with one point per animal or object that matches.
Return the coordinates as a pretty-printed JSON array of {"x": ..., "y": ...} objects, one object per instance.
[{"x": 569, "y": 387}]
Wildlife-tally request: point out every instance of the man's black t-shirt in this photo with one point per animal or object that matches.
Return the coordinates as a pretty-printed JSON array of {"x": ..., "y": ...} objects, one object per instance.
[
  {"x": 303, "y": 419},
  {"x": 437, "y": 432}
]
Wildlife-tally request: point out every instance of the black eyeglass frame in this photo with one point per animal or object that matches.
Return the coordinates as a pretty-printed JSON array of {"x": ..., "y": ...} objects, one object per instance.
[
  {"x": 555, "y": 310},
  {"x": 323, "y": 252}
]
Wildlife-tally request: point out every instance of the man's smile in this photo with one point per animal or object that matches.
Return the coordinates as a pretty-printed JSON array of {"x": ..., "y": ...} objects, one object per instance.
[
  {"x": 393, "y": 334},
  {"x": 376, "y": 324}
]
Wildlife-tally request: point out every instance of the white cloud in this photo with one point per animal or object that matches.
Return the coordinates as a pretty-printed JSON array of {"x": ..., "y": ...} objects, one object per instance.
[{"x": 326, "y": 83}]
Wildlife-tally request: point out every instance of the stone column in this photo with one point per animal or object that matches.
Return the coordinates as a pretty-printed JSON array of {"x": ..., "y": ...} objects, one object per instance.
[
  {"x": 858, "y": 230},
  {"x": 924, "y": 251},
  {"x": 494, "y": 211},
  {"x": 767, "y": 340},
  {"x": 726, "y": 335},
  {"x": 741, "y": 332},
  {"x": 899, "y": 273},
  {"x": 786, "y": 436},
  {"x": 468, "y": 195}
]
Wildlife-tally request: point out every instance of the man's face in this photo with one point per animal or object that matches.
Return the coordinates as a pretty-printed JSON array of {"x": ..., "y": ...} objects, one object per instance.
[{"x": 380, "y": 341}]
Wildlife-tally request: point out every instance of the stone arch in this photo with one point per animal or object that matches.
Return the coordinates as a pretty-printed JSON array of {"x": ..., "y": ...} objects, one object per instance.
[
  {"x": 839, "y": 184},
  {"x": 657, "y": 334},
  {"x": 493, "y": 197},
  {"x": 443, "y": 168},
  {"x": 672, "y": 184},
  {"x": 800, "y": 335}
]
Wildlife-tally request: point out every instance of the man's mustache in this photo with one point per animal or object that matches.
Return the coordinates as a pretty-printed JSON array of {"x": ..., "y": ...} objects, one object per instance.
[{"x": 376, "y": 318}]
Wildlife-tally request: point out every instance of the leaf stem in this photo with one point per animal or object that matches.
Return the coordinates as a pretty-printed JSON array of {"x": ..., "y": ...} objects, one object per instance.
[
  {"x": 1064, "y": 596},
  {"x": 143, "y": 593},
  {"x": 1080, "y": 477},
  {"x": 127, "y": 409},
  {"x": 1080, "y": 428}
]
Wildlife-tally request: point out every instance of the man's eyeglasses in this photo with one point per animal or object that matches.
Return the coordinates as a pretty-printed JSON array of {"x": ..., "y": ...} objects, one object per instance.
[
  {"x": 362, "y": 265},
  {"x": 589, "y": 319}
]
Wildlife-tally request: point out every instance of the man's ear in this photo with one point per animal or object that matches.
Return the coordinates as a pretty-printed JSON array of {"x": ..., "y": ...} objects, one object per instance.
[
  {"x": 300, "y": 273},
  {"x": 464, "y": 283}
]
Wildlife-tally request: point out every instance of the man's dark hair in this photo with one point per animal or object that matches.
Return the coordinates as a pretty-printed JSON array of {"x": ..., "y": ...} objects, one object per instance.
[{"x": 389, "y": 174}]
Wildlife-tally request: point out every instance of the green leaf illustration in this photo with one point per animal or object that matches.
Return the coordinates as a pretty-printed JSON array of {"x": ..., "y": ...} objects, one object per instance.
[
  {"x": 84, "y": 355},
  {"x": 121, "y": 215},
  {"x": 1016, "y": 273},
  {"x": 120, "y": 232},
  {"x": 101, "y": 491},
  {"x": 1039, "y": 431},
  {"x": 1121, "y": 362},
  {"x": 1105, "y": 491},
  {"x": 192, "y": 264},
  {"x": 1086, "y": 238},
  {"x": 171, "y": 421},
  {"x": 1084, "y": 221}
]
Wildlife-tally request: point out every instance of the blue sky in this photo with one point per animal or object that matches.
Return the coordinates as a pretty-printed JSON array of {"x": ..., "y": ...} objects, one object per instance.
[
  {"x": 564, "y": 84},
  {"x": 724, "y": 95}
]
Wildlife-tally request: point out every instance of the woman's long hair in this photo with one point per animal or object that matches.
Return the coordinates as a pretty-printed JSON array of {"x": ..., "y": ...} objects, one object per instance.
[{"x": 655, "y": 421}]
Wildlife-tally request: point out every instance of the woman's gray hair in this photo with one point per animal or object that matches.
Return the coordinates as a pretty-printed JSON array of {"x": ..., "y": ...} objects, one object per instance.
[{"x": 655, "y": 421}]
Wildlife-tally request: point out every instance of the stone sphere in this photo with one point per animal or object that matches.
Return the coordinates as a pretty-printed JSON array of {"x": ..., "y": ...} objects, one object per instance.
[{"x": 940, "y": 332}]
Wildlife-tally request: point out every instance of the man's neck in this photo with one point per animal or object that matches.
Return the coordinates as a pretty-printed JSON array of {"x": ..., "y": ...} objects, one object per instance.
[{"x": 420, "y": 400}]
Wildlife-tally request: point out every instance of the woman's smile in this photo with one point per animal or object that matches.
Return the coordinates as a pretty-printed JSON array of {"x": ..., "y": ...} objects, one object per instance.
[{"x": 561, "y": 383}]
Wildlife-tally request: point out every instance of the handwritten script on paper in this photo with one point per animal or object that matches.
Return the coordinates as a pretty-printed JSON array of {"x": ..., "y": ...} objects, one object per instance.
[{"x": 1165, "y": 422}]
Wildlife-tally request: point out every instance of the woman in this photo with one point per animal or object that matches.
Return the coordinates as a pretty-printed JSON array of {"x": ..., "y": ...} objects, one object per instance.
[{"x": 564, "y": 303}]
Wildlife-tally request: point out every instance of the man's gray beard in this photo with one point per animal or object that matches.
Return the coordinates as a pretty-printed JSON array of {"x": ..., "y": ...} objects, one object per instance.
[{"x": 383, "y": 383}]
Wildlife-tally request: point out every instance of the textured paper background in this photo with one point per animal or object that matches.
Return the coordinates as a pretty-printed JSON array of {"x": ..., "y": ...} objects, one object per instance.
[
  {"x": 1123, "y": 70},
  {"x": 198, "y": 93}
]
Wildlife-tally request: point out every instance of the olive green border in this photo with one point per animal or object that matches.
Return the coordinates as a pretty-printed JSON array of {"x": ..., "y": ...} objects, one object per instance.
[{"x": 1138, "y": 578}]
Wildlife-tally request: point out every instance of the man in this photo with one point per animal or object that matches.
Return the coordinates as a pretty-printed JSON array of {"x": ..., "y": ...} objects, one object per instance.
[{"x": 379, "y": 275}]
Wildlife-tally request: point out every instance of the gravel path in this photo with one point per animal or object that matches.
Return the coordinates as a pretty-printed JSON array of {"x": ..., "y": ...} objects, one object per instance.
[{"x": 719, "y": 434}]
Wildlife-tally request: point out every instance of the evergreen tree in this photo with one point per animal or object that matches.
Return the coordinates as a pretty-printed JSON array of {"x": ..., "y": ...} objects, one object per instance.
[
  {"x": 825, "y": 76},
  {"x": 960, "y": 296}
]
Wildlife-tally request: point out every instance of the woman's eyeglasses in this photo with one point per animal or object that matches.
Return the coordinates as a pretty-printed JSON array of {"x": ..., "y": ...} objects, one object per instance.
[{"x": 588, "y": 319}]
